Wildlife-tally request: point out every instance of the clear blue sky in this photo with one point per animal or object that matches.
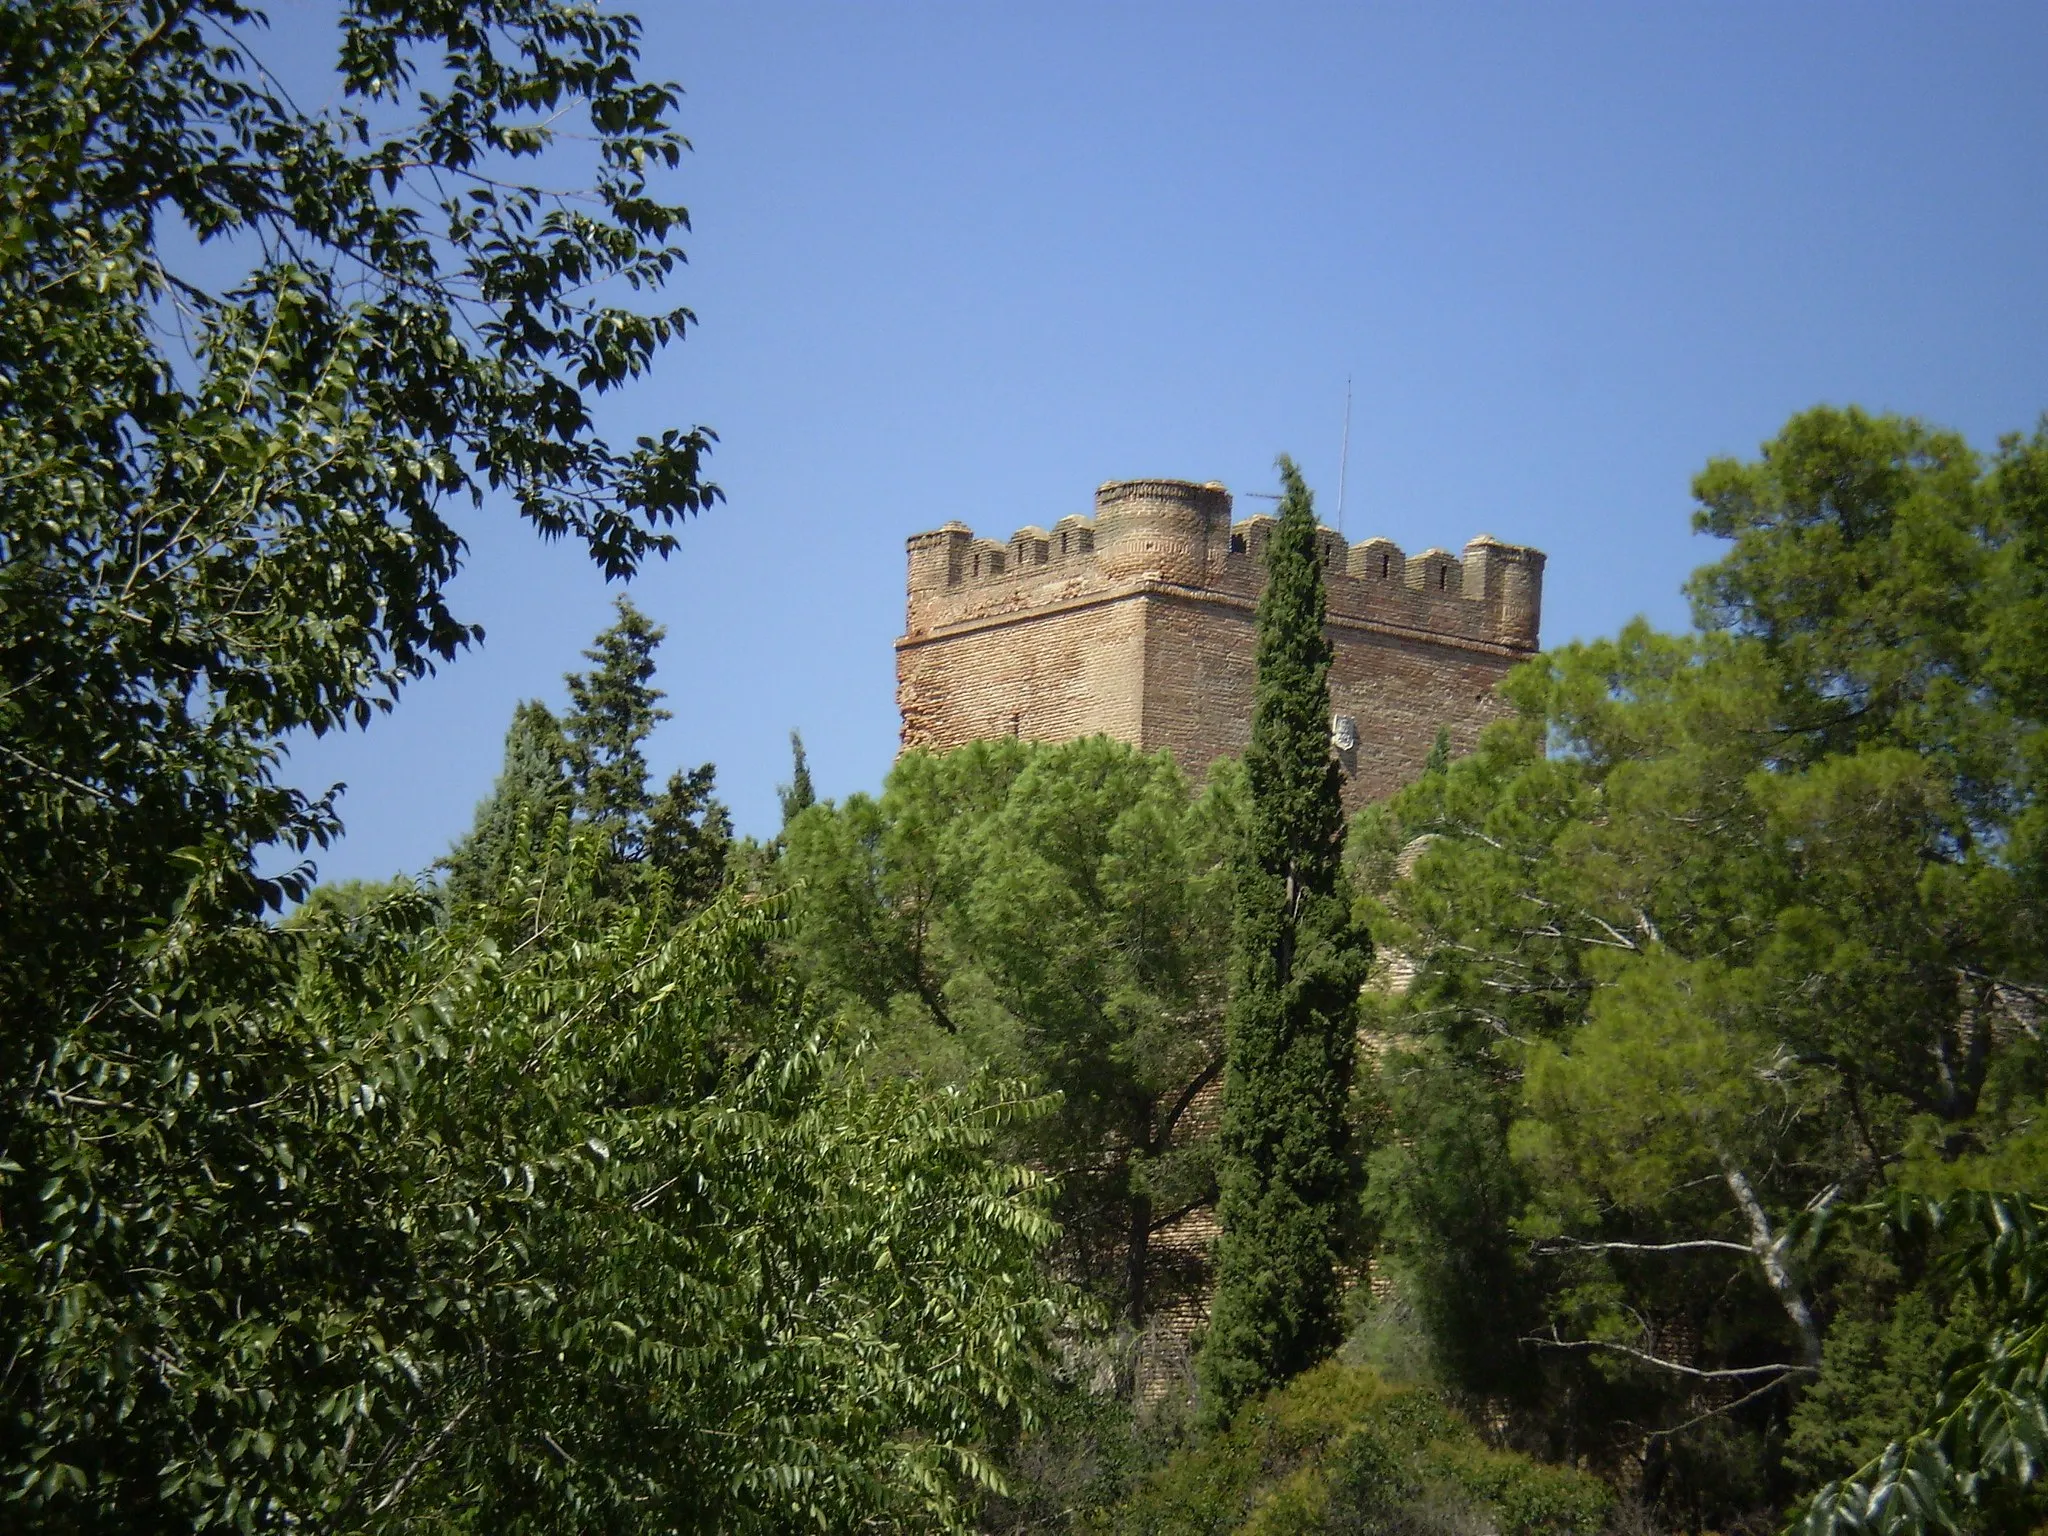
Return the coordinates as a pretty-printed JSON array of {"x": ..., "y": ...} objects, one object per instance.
[{"x": 968, "y": 260}]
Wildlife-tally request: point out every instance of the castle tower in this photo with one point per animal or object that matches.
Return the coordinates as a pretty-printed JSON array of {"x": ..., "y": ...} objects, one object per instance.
[{"x": 1138, "y": 622}]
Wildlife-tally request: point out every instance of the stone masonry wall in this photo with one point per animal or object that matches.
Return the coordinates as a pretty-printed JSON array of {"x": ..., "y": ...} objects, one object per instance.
[{"x": 1139, "y": 623}]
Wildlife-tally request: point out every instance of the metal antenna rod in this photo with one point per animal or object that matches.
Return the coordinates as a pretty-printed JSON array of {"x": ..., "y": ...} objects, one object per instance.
[{"x": 1344, "y": 462}]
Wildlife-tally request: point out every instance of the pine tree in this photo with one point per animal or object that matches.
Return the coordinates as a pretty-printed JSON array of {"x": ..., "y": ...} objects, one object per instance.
[
  {"x": 533, "y": 788},
  {"x": 797, "y": 795},
  {"x": 613, "y": 708},
  {"x": 1288, "y": 1178}
]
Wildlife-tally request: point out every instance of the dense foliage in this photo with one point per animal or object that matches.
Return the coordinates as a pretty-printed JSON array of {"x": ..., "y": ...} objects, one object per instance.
[
  {"x": 1981, "y": 1438},
  {"x": 570, "y": 1194},
  {"x": 564, "y": 1215},
  {"x": 561, "y": 1210},
  {"x": 512, "y": 825},
  {"x": 1296, "y": 963},
  {"x": 590, "y": 766},
  {"x": 680, "y": 1267},
  {"x": 1057, "y": 913},
  {"x": 224, "y": 521},
  {"x": 1723, "y": 933},
  {"x": 1339, "y": 1450}
]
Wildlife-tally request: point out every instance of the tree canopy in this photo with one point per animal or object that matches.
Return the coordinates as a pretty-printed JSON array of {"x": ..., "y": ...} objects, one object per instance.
[
  {"x": 1057, "y": 913},
  {"x": 591, "y": 766},
  {"x": 513, "y": 823},
  {"x": 798, "y": 795},
  {"x": 565, "y": 1209},
  {"x": 228, "y": 503},
  {"x": 1724, "y": 933}
]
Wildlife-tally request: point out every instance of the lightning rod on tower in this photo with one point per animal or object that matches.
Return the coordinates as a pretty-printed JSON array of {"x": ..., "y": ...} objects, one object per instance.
[{"x": 1344, "y": 460}]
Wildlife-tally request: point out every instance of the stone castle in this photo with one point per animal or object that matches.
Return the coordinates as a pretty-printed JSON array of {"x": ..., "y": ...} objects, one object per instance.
[{"x": 1138, "y": 623}]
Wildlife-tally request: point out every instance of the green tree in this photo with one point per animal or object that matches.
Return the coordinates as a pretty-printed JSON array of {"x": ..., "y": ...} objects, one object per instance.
[
  {"x": 1297, "y": 961},
  {"x": 533, "y": 788},
  {"x": 224, "y": 516},
  {"x": 1734, "y": 928},
  {"x": 613, "y": 709},
  {"x": 224, "y": 520},
  {"x": 797, "y": 796},
  {"x": 604, "y": 1227},
  {"x": 689, "y": 835},
  {"x": 1973, "y": 1457},
  {"x": 707, "y": 1297},
  {"x": 681, "y": 834},
  {"x": 1058, "y": 913}
]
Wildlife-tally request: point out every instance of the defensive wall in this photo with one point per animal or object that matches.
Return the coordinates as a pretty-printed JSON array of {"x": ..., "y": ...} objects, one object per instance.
[{"x": 1138, "y": 623}]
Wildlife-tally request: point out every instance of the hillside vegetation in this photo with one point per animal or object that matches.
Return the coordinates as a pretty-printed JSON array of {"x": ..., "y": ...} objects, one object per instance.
[{"x": 1634, "y": 1125}]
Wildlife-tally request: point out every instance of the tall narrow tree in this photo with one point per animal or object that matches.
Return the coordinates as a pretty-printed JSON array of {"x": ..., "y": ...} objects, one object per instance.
[
  {"x": 797, "y": 795},
  {"x": 1297, "y": 962}
]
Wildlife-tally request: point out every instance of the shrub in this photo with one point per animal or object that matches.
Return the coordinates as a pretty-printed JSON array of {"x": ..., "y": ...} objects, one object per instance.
[{"x": 1339, "y": 1450}]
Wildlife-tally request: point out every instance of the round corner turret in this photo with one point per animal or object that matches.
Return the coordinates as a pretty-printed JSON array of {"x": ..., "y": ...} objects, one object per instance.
[{"x": 1160, "y": 528}]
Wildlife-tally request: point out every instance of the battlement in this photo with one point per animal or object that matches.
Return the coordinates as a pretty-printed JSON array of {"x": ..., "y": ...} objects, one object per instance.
[
  {"x": 1138, "y": 621},
  {"x": 1177, "y": 534}
]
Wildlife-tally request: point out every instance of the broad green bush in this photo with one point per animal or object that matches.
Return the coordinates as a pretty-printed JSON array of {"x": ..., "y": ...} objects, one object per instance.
[{"x": 1340, "y": 1450}]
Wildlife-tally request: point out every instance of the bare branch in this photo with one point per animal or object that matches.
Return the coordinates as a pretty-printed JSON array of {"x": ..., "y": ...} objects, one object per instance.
[
  {"x": 1727, "y": 1408},
  {"x": 1578, "y": 1245},
  {"x": 1161, "y": 1223},
  {"x": 1615, "y": 933},
  {"x": 1777, "y": 1372}
]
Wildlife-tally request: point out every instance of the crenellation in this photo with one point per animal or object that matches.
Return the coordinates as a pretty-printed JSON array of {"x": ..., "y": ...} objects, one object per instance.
[
  {"x": 1029, "y": 547},
  {"x": 1376, "y": 560},
  {"x": 1248, "y": 537},
  {"x": 988, "y": 558},
  {"x": 1138, "y": 622},
  {"x": 1074, "y": 535},
  {"x": 1335, "y": 553},
  {"x": 1436, "y": 570}
]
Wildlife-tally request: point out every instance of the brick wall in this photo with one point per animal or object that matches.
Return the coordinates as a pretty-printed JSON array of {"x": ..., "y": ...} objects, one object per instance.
[{"x": 1138, "y": 623}]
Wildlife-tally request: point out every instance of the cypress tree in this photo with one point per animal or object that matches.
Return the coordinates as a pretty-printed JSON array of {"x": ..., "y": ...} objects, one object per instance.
[
  {"x": 797, "y": 795},
  {"x": 1297, "y": 961},
  {"x": 1438, "y": 762}
]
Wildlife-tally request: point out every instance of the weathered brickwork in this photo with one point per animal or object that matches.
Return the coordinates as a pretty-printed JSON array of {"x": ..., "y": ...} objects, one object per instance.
[{"x": 1138, "y": 623}]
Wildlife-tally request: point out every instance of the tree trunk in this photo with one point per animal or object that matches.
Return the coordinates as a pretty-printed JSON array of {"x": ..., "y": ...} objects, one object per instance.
[
  {"x": 1137, "y": 1254},
  {"x": 1769, "y": 1248}
]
